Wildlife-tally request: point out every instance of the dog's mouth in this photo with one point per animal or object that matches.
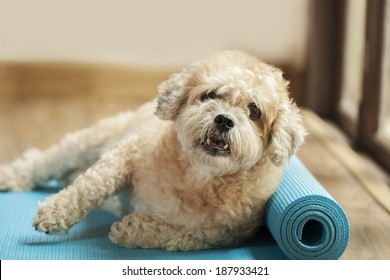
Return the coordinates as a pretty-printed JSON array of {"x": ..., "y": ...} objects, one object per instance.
[{"x": 215, "y": 145}]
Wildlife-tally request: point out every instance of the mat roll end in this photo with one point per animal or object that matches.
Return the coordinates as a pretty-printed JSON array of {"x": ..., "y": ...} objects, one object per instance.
[{"x": 304, "y": 219}]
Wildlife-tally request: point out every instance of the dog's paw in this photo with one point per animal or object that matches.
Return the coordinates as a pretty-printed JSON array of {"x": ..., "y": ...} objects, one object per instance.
[
  {"x": 11, "y": 180},
  {"x": 138, "y": 231},
  {"x": 19, "y": 174},
  {"x": 119, "y": 234},
  {"x": 51, "y": 220},
  {"x": 129, "y": 232}
]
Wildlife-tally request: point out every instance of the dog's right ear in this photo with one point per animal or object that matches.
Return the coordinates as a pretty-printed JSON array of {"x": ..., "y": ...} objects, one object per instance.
[{"x": 171, "y": 95}]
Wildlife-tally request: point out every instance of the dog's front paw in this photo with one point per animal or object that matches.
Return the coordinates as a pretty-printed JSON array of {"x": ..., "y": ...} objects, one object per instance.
[
  {"x": 51, "y": 220},
  {"x": 19, "y": 174},
  {"x": 11, "y": 180}
]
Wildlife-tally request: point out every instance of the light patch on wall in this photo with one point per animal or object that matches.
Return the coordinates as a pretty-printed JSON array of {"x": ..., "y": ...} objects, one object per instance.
[{"x": 148, "y": 32}]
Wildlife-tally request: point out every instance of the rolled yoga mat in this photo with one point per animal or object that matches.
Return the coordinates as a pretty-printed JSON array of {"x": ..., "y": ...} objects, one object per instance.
[{"x": 304, "y": 219}]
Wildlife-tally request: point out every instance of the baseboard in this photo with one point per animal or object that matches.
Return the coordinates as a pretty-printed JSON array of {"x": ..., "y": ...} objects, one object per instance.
[
  {"x": 28, "y": 78},
  {"x": 50, "y": 78}
]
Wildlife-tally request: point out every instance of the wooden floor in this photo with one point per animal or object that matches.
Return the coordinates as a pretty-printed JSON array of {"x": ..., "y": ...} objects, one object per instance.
[{"x": 42, "y": 120}]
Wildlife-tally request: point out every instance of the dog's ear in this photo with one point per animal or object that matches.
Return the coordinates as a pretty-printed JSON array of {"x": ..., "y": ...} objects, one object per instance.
[
  {"x": 171, "y": 95},
  {"x": 287, "y": 134},
  {"x": 287, "y": 130}
]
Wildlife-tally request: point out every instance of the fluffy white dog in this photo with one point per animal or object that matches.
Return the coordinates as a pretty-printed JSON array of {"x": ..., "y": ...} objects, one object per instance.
[{"x": 199, "y": 163}]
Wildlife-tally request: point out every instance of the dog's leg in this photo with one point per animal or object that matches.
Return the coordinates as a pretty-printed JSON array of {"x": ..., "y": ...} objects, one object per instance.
[
  {"x": 77, "y": 150},
  {"x": 137, "y": 230},
  {"x": 71, "y": 205}
]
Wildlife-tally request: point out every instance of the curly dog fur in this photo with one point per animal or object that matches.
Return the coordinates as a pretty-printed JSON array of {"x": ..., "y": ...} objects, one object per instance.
[{"x": 198, "y": 163}]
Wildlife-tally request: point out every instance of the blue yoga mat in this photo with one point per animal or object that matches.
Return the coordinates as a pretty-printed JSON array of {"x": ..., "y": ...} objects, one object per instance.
[
  {"x": 306, "y": 222},
  {"x": 303, "y": 222}
]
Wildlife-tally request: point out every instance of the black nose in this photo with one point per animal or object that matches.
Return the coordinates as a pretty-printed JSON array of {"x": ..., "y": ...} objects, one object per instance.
[{"x": 223, "y": 122}]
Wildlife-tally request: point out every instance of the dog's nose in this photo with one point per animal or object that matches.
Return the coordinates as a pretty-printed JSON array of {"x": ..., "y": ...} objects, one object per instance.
[{"x": 223, "y": 122}]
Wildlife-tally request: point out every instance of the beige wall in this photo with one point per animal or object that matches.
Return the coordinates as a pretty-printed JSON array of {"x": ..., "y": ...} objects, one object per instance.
[{"x": 151, "y": 32}]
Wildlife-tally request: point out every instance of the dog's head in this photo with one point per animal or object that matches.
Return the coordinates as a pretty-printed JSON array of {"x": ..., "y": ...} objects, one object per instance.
[{"x": 230, "y": 111}]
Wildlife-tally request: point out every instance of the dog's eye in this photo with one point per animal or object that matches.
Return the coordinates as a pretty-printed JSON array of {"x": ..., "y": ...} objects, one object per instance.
[
  {"x": 207, "y": 96},
  {"x": 254, "y": 111}
]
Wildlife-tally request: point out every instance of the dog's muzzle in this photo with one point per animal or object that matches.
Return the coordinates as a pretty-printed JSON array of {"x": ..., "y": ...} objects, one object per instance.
[{"x": 215, "y": 142}]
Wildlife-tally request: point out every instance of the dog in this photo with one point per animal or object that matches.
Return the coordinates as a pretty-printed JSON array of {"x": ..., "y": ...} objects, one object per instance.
[{"x": 197, "y": 164}]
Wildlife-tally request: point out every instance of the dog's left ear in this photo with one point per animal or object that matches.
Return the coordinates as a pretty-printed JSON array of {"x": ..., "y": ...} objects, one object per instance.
[
  {"x": 287, "y": 131},
  {"x": 287, "y": 134},
  {"x": 171, "y": 95}
]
